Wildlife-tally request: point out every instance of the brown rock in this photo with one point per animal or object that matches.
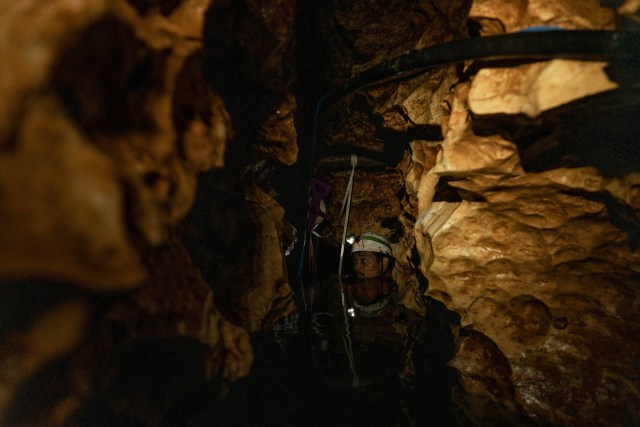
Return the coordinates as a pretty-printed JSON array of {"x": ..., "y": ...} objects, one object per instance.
[
  {"x": 529, "y": 261},
  {"x": 373, "y": 200},
  {"x": 270, "y": 298},
  {"x": 61, "y": 214},
  {"x": 533, "y": 88},
  {"x": 100, "y": 101}
]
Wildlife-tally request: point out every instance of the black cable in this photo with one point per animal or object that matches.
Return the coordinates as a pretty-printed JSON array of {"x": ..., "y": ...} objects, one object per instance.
[{"x": 540, "y": 45}]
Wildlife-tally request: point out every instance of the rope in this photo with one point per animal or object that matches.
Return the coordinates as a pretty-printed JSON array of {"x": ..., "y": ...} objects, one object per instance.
[
  {"x": 299, "y": 275},
  {"x": 346, "y": 338},
  {"x": 347, "y": 202}
]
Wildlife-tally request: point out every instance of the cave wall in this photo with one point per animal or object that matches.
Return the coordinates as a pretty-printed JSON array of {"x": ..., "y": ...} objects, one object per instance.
[
  {"x": 525, "y": 232},
  {"x": 111, "y": 118},
  {"x": 380, "y": 122}
]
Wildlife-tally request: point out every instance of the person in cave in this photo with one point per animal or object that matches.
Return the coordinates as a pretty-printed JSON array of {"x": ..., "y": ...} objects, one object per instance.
[{"x": 363, "y": 338}]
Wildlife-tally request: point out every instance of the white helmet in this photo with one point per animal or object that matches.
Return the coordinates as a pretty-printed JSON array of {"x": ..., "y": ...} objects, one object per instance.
[{"x": 371, "y": 242}]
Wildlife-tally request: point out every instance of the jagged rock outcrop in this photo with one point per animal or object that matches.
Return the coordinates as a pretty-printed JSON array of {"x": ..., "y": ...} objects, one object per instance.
[
  {"x": 374, "y": 201},
  {"x": 385, "y": 119},
  {"x": 533, "y": 88},
  {"x": 109, "y": 120},
  {"x": 98, "y": 111},
  {"x": 519, "y": 233},
  {"x": 541, "y": 269},
  {"x": 537, "y": 270},
  {"x": 361, "y": 35},
  {"x": 249, "y": 57}
]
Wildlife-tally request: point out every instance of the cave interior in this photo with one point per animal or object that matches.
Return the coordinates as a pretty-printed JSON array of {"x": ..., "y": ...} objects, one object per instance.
[{"x": 177, "y": 178}]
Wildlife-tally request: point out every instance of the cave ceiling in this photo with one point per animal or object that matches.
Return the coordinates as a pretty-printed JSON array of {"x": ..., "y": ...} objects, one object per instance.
[{"x": 154, "y": 164}]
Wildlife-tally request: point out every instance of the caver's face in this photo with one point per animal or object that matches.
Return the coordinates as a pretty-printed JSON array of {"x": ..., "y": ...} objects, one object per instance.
[{"x": 367, "y": 265}]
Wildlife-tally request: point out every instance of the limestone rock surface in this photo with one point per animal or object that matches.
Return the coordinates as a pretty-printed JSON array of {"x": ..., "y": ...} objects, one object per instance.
[
  {"x": 237, "y": 229},
  {"x": 384, "y": 119},
  {"x": 127, "y": 138},
  {"x": 373, "y": 200},
  {"x": 538, "y": 271},
  {"x": 109, "y": 120},
  {"x": 541, "y": 266},
  {"x": 532, "y": 88},
  {"x": 271, "y": 298}
]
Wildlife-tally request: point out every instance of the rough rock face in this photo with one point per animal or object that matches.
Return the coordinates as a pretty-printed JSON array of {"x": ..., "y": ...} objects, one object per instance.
[
  {"x": 249, "y": 46},
  {"x": 533, "y": 88},
  {"x": 536, "y": 264},
  {"x": 249, "y": 57},
  {"x": 105, "y": 126},
  {"x": 270, "y": 298},
  {"x": 540, "y": 265},
  {"x": 108, "y": 122},
  {"x": 538, "y": 273},
  {"x": 374, "y": 201},
  {"x": 376, "y": 31},
  {"x": 384, "y": 120}
]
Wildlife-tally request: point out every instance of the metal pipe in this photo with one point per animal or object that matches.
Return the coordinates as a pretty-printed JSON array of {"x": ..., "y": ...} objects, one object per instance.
[{"x": 539, "y": 45}]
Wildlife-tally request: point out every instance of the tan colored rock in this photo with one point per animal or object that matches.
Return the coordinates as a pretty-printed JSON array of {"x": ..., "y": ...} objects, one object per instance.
[
  {"x": 106, "y": 122},
  {"x": 626, "y": 188},
  {"x": 164, "y": 186},
  {"x": 570, "y": 14},
  {"x": 404, "y": 275},
  {"x": 178, "y": 302},
  {"x": 376, "y": 32},
  {"x": 629, "y": 7},
  {"x": 232, "y": 355},
  {"x": 420, "y": 157},
  {"x": 61, "y": 215},
  {"x": 498, "y": 16},
  {"x": 538, "y": 265},
  {"x": 51, "y": 335},
  {"x": 250, "y": 60},
  {"x": 374, "y": 199},
  {"x": 421, "y": 180},
  {"x": 59, "y": 84},
  {"x": 353, "y": 127},
  {"x": 533, "y": 88},
  {"x": 509, "y": 276},
  {"x": 31, "y": 40},
  {"x": 418, "y": 100},
  {"x": 270, "y": 298},
  {"x": 478, "y": 155},
  {"x": 279, "y": 133},
  {"x": 537, "y": 270}
]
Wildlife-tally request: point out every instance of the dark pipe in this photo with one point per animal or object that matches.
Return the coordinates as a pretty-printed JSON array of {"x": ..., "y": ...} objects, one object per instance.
[{"x": 540, "y": 45}]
